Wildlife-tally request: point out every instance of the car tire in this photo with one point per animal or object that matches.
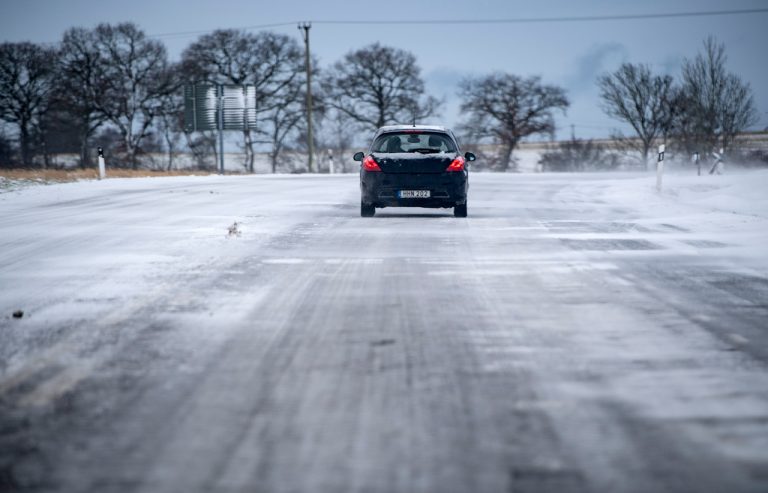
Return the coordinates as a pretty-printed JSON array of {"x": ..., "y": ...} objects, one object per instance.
[
  {"x": 460, "y": 210},
  {"x": 367, "y": 210}
]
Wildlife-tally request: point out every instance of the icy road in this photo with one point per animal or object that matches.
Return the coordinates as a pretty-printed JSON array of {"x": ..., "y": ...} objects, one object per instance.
[{"x": 575, "y": 333}]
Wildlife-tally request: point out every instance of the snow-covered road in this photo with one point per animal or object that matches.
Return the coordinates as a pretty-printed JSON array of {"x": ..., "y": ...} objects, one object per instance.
[{"x": 575, "y": 333}]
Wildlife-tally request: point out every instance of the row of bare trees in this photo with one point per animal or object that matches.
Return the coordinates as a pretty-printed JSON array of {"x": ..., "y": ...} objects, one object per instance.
[
  {"x": 705, "y": 110},
  {"x": 26, "y": 82},
  {"x": 116, "y": 80},
  {"x": 117, "y": 77},
  {"x": 109, "y": 75},
  {"x": 115, "y": 85}
]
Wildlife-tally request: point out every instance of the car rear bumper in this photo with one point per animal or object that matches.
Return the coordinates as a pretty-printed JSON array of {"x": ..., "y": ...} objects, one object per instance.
[{"x": 381, "y": 189}]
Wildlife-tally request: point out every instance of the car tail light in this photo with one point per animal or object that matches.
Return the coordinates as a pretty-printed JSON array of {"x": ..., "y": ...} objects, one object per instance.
[
  {"x": 457, "y": 164},
  {"x": 370, "y": 164}
]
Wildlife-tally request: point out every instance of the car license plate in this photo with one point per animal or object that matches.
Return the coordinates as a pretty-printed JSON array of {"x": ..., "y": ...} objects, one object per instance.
[{"x": 414, "y": 194}]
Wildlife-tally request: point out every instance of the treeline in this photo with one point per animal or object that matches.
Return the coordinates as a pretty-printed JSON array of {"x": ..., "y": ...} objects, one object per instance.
[
  {"x": 113, "y": 86},
  {"x": 701, "y": 111}
]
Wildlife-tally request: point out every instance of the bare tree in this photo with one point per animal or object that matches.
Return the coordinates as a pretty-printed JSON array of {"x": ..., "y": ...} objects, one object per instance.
[
  {"x": 268, "y": 61},
  {"x": 170, "y": 124},
  {"x": 82, "y": 86},
  {"x": 136, "y": 76},
  {"x": 337, "y": 133},
  {"x": 715, "y": 105},
  {"x": 286, "y": 116},
  {"x": 634, "y": 95},
  {"x": 6, "y": 150},
  {"x": 170, "y": 121},
  {"x": 738, "y": 112},
  {"x": 507, "y": 108},
  {"x": 27, "y": 75},
  {"x": 378, "y": 85}
]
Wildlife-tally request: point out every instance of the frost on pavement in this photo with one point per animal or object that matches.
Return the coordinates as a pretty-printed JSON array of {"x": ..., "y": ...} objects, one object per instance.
[{"x": 577, "y": 332}]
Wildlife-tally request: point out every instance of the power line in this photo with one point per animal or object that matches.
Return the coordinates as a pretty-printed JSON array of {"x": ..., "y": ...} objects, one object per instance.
[
  {"x": 519, "y": 20},
  {"x": 206, "y": 31},
  {"x": 180, "y": 34},
  {"x": 523, "y": 20},
  {"x": 515, "y": 20}
]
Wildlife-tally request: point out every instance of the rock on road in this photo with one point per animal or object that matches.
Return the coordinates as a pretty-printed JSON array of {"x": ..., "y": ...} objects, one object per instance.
[{"x": 552, "y": 341}]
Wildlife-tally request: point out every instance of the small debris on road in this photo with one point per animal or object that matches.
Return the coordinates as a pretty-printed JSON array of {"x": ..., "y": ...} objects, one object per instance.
[
  {"x": 383, "y": 342},
  {"x": 18, "y": 314},
  {"x": 234, "y": 230}
]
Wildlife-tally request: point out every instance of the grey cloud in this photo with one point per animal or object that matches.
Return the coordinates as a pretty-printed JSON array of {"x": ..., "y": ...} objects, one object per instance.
[{"x": 598, "y": 59}]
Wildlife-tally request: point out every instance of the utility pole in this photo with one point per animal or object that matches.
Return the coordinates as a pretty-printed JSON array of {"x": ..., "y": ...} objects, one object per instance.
[{"x": 306, "y": 26}]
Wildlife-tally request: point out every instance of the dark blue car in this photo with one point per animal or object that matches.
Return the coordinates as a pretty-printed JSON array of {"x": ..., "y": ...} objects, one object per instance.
[{"x": 414, "y": 166}]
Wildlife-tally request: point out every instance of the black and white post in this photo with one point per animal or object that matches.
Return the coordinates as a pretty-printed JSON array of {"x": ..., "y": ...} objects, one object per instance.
[
  {"x": 717, "y": 167},
  {"x": 660, "y": 167},
  {"x": 697, "y": 162},
  {"x": 220, "y": 94},
  {"x": 102, "y": 166}
]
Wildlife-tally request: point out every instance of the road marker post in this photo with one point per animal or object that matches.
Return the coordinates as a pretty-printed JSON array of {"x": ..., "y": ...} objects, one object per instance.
[
  {"x": 102, "y": 166},
  {"x": 330, "y": 161},
  {"x": 220, "y": 125},
  {"x": 660, "y": 167},
  {"x": 697, "y": 162},
  {"x": 718, "y": 166}
]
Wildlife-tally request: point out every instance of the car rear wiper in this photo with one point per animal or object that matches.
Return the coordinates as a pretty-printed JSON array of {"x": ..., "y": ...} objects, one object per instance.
[{"x": 425, "y": 150}]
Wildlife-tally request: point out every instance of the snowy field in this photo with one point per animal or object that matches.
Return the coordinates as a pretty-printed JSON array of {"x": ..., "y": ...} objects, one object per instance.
[{"x": 577, "y": 332}]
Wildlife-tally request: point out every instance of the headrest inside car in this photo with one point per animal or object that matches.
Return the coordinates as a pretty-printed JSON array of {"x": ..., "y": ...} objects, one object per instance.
[{"x": 435, "y": 141}]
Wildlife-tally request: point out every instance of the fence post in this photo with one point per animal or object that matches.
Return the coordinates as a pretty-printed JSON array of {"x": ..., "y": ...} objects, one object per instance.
[{"x": 102, "y": 166}]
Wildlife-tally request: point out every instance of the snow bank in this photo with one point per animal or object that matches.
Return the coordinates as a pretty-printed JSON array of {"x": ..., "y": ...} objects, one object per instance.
[
  {"x": 730, "y": 210},
  {"x": 744, "y": 193}
]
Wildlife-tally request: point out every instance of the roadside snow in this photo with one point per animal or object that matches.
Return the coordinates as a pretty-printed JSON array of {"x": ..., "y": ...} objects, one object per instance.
[
  {"x": 743, "y": 193},
  {"x": 728, "y": 211},
  {"x": 14, "y": 184}
]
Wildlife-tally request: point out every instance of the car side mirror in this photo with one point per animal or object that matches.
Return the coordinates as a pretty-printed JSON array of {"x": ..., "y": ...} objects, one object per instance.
[
  {"x": 358, "y": 156},
  {"x": 469, "y": 156}
]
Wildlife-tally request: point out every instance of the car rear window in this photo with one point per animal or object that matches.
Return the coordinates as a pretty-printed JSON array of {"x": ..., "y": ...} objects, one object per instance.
[{"x": 424, "y": 142}]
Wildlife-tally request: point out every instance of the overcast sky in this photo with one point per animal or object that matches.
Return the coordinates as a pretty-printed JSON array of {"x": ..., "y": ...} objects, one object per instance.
[{"x": 571, "y": 54}]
